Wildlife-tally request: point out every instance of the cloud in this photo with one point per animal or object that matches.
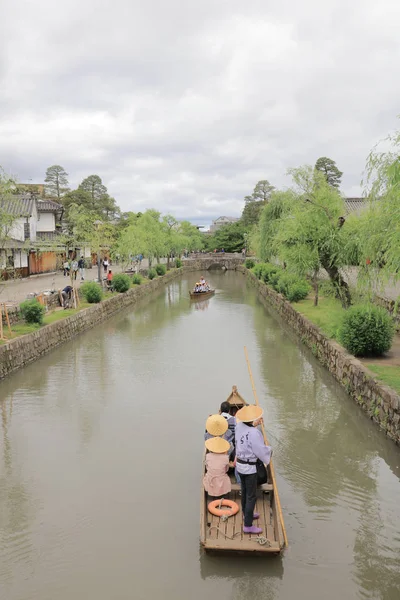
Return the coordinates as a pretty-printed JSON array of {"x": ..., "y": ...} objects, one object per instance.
[{"x": 185, "y": 106}]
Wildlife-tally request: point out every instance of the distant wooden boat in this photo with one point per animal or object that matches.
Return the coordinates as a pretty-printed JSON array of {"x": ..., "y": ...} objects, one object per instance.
[
  {"x": 220, "y": 536},
  {"x": 201, "y": 295}
]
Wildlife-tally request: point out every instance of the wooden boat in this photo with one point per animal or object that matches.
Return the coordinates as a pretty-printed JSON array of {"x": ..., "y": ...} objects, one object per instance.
[
  {"x": 220, "y": 536},
  {"x": 201, "y": 295}
]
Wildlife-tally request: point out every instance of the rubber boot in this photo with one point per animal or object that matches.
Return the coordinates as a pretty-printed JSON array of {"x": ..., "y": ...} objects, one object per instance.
[{"x": 252, "y": 529}]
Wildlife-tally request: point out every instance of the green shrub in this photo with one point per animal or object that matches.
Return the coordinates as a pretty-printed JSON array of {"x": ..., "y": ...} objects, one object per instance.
[
  {"x": 298, "y": 290},
  {"x": 178, "y": 263},
  {"x": 366, "y": 330},
  {"x": 152, "y": 274},
  {"x": 161, "y": 269},
  {"x": 284, "y": 281},
  {"x": 274, "y": 280},
  {"x": 121, "y": 283},
  {"x": 249, "y": 263},
  {"x": 268, "y": 270},
  {"x": 257, "y": 270},
  {"x": 137, "y": 279},
  {"x": 92, "y": 292},
  {"x": 292, "y": 287},
  {"x": 32, "y": 311}
]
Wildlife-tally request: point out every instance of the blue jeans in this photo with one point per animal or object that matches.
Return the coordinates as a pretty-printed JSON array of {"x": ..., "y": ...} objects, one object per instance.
[{"x": 237, "y": 476}]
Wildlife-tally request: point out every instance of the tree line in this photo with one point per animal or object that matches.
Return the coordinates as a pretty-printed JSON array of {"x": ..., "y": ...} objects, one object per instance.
[
  {"x": 92, "y": 217},
  {"x": 307, "y": 228},
  {"x": 236, "y": 236}
]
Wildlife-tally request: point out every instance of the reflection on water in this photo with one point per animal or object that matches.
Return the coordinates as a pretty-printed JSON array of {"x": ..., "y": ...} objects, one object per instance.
[
  {"x": 100, "y": 454},
  {"x": 202, "y": 304}
]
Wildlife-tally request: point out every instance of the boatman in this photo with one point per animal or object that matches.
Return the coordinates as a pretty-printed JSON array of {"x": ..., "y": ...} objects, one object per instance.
[{"x": 250, "y": 446}]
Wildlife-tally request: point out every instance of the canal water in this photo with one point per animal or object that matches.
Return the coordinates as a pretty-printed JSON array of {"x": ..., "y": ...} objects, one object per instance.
[{"x": 100, "y": 462}]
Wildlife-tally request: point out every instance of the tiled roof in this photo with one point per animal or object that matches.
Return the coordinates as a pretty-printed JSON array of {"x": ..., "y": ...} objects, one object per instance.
[
  {"x": 48, "y": 206},
  {"x": 18, "y": 205},
  {"x": 355, "y": 205},
  {"x": 47, "y": 235},
  {"x": 227, "y": 218}
]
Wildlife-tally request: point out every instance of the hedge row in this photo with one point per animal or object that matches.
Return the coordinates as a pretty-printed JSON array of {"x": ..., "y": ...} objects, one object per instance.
[
  {"x": 365, "y": 330},
  {"x": 294, "y": 288}
]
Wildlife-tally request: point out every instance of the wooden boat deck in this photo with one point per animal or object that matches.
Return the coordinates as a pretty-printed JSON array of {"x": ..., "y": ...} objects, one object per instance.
[{"x": 216, "y": 534}]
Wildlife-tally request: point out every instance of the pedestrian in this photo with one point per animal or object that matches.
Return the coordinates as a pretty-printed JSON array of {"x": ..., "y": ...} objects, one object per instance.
[
  {"x": 105, "y": 264},
  {"x": 66, "y": 268},
  {"x": 250, "y": 448},
  {"x": 244, "y": 253},
  {"x": 81, "y": 266},
  {"x": 109, "y": 279},
  {"x": 74, "y": 268},
  {"x": 66, "y": 295}
]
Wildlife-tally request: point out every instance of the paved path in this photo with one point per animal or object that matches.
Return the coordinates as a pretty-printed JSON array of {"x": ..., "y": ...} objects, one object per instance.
[{"x": 17, "y": 290}]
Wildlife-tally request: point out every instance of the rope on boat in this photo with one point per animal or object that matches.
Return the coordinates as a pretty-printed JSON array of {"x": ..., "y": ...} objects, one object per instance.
[
  {"x": 260, "y": 539},
  {"x": 223, "y": 532}
]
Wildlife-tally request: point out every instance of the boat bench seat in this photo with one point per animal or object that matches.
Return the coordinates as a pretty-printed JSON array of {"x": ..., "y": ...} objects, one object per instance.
[{"x": 265, "y": 487}]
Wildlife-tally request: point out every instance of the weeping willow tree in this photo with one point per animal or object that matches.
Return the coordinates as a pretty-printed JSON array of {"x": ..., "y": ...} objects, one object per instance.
[
  {"x": 381, "y": 230},
  {"x": 278, "y": 207},
  {"x": 305, "y": 228}
]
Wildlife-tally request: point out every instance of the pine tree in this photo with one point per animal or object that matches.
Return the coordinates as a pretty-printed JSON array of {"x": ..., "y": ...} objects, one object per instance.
[
  {"x": 94, "y": 185},
  {"x": 56, "y": 181},
  {"x": 263, "y": 190},
  {"x": 328, "y": 167}
]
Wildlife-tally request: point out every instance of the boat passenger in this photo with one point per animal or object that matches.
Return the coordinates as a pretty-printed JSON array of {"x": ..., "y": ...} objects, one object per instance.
[
  {"x": 217, "y": 425},
  {"x": 250, "y": 446},
  {"x": 216, "y": 480},
  {"x": 224, "y": 412},
  {"x": 202, "y": 280}
]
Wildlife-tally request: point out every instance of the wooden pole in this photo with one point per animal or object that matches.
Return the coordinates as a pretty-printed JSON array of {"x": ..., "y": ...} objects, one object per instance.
[
  {"x": 8, "y": 320},
  {"x": 278, "y": 502},
  {"x": 1, "y": 323}
]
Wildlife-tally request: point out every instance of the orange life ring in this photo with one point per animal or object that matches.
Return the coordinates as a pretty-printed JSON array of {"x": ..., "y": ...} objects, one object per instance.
[{"x": 214, "y": 509}]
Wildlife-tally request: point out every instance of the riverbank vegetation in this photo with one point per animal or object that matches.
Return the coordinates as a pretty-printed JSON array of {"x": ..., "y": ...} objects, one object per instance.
[{"x": 34, "y": 317}]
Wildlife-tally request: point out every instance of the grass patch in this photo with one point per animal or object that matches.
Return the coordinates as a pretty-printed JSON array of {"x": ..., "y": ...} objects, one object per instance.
[
  {"x": 57, "y": 315},
  {"x": 327, "y": 315},
  {"x": 388, "y": 374},
  {"x": 21, "y": 328}
]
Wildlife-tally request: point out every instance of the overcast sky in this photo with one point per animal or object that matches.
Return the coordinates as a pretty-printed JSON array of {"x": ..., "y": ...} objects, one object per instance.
[{"x": 183, "y": 105}]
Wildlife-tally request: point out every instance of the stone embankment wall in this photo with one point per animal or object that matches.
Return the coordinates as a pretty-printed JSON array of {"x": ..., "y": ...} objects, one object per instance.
[
  {"x": 27, "y": 348},
  {"x": 380, "y": 402}
]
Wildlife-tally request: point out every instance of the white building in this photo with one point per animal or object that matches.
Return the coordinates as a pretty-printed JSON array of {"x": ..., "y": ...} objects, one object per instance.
[
  {"x": 221, "y": 221},
  {"x": 17, "y": 235}
]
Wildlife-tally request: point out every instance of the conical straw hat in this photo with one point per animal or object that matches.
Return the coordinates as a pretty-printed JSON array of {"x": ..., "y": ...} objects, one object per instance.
[
  {"x": 217, "y": 445},
  {"x": 216, "y": 425},
  {"x": 249, "y": 413}
]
